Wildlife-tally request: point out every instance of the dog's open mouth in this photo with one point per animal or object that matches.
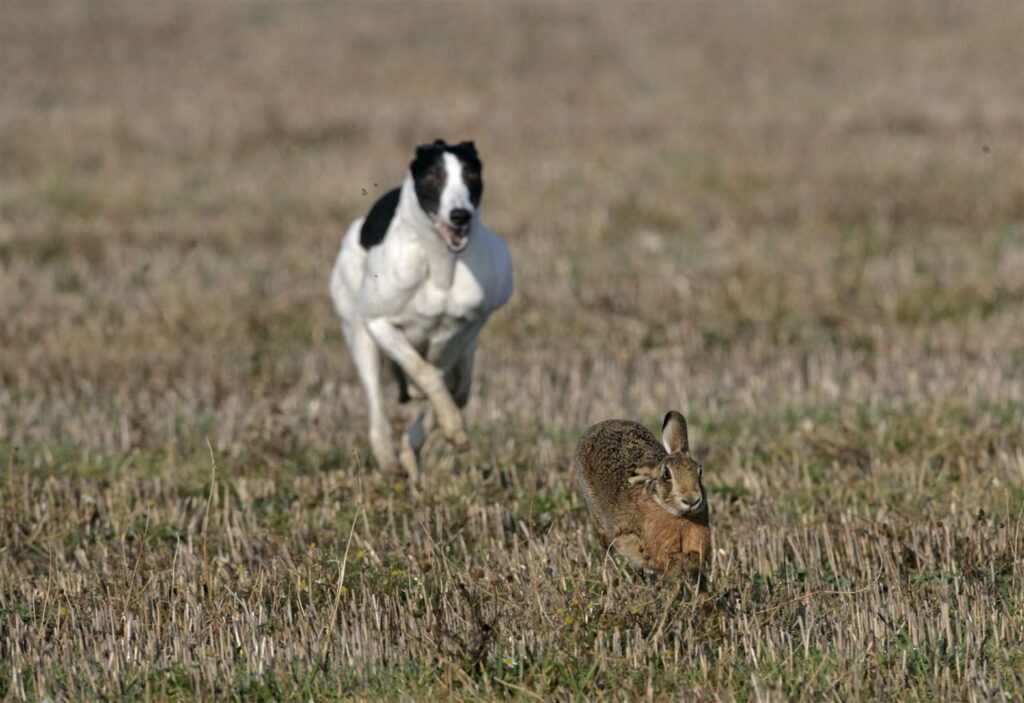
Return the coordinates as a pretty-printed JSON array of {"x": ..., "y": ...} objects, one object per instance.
[{"x": 456, "y": 238}]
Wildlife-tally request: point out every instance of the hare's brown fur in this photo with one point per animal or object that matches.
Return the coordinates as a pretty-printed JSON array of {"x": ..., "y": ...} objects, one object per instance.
[{"x": 624, "y": 513}]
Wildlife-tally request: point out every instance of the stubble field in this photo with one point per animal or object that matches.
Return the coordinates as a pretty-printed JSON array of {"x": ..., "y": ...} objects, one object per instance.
[{"x": 802, "y": 224}]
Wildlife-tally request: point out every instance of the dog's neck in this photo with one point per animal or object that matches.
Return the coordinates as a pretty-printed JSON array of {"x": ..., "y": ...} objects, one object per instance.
[{"x": 440, "y": 259}]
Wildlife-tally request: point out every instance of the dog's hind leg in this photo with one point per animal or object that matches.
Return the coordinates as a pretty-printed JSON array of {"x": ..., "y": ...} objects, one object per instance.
[
  {"x": 460, "y": 378},
  {"x": 367, "y": 358},
  {"x": 413, "y": 440}
]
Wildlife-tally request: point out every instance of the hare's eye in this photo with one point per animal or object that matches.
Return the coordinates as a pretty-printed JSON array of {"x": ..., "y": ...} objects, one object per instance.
[{"x": 666, "y": 475}]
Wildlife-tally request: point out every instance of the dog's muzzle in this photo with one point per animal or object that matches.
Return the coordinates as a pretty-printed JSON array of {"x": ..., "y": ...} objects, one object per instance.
[{"x": 456, "y": 237}]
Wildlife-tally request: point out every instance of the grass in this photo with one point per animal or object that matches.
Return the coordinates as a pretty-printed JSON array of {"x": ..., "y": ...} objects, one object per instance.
[{"x": 800, "y": 224}]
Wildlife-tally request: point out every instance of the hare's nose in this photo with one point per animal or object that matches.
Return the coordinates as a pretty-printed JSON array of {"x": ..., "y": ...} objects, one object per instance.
[{"x": 691, "y": 500}]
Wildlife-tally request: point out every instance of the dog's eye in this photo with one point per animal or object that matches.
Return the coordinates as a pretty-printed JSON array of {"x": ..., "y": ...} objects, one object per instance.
[{"x": 667, "y": 475}]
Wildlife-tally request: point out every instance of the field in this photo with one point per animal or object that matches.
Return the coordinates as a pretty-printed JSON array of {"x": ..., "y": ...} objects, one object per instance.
[{"x": 800, "y": 223}]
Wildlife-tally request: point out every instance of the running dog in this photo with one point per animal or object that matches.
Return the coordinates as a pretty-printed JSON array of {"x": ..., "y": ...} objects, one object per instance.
[{"x": 417, "y": 279}]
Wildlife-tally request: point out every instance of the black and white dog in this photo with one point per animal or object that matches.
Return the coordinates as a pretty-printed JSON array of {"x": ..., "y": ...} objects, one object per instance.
[{"x": 417, "y": 279}]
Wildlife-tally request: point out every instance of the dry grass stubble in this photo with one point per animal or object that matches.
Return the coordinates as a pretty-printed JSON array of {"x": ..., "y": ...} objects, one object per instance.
[{"x": 801, "y": 225}]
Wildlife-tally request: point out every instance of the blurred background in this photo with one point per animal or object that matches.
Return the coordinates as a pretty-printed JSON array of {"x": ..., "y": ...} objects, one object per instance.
[
  {"x": 744, "y": 204},
  {"x": 802, "y": 223}
]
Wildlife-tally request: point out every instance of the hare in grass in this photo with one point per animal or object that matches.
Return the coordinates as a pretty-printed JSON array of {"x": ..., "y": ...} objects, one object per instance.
[{"x": 645, "y": 498}]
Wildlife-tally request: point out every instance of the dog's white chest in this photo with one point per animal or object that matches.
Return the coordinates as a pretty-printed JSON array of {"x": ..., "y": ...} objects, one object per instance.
[
  {"x": 436, "y": 314},
  {"x": 464, "y": 298}
]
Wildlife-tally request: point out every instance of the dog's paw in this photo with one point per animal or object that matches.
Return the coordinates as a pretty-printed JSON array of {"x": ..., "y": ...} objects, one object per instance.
[
  {"x": 453, "y": 427},
  {"x": 459, "y": 440}
]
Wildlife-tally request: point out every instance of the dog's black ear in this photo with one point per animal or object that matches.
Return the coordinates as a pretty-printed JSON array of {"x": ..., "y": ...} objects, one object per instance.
[
  {"x": 426, "y": 149},
  {"x": 469, "y": 146}
]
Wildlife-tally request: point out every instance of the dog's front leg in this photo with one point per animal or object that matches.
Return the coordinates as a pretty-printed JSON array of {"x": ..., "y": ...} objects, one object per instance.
[{"x": 428, "y": 377}]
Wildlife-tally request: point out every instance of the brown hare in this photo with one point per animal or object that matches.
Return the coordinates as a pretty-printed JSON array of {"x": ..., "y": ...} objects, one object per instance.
[{"x": 646, "y": 499}]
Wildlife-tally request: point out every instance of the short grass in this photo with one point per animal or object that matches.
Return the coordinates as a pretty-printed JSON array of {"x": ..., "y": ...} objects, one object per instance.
[{"x": 800, "y": 223}]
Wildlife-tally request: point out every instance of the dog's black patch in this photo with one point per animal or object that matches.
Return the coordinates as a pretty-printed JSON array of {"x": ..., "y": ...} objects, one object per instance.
[
  {"x": 472, "y": 170},
  {"x": 376, "y": 224},
  {"x": 429, "y": 174}
]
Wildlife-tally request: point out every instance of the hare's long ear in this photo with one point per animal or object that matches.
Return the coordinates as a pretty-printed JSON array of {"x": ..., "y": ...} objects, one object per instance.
[
  {"x": 673, "y": 433},
  {"x": 644, "y": 474}
]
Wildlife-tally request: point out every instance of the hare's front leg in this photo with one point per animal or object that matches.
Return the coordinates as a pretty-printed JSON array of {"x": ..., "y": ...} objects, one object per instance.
[
  {"x": 632, "y": 547},
  {"x": 685, "y": 563}
]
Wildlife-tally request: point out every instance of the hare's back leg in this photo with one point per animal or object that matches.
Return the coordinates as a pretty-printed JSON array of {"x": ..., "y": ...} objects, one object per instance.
[{"x": 632, "y": 547}]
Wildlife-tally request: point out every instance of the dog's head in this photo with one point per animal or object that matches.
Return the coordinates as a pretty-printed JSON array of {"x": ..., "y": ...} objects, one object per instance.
[{"x": 449, "y": 182}]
